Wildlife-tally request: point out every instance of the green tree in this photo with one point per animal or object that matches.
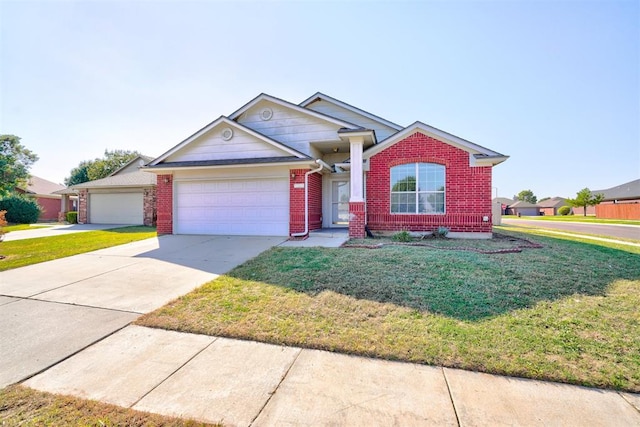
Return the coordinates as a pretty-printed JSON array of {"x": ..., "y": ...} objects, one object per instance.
[
  {"x": 79, "y": 174},
  {"x": 90, "y": 170},
  {"x": 526, "y": 196},
  {"x": 112, "y": 161},
  {"x": 585, "y": 198},
  {"x": 15, "y": 161}
]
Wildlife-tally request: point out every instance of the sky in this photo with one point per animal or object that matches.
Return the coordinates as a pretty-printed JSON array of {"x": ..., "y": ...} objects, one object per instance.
[{"x": 555, "y": 85}]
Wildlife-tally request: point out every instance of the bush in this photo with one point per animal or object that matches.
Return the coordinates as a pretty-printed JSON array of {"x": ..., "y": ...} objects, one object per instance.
[
  {"x": 402, "y": 236},
  {"x": 72, "y": 217},
  {"x": 3, "y": 223},
  {"x": 441, "y": 232},
  {"x": 20, "y": 210},
  {"x": 564, "y": 210}
]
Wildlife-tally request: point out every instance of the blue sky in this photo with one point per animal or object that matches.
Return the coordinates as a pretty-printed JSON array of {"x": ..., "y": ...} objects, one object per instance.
[{"x": 554, "y": 85}]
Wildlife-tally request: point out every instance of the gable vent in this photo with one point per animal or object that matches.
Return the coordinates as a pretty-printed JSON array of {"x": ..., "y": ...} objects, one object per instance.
[
  {"x": 266, "y": 114},
  {"x": 227, "y": 134}
]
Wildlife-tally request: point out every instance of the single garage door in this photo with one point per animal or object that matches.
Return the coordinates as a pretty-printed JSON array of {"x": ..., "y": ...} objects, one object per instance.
[
  {"x": 115, "y": 208},
  {"x": 237, "y": 207}
]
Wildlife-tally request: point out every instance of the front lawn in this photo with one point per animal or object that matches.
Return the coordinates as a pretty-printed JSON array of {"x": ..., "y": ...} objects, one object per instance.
[
  {"x": 18, "y": 253},
  {"x": 19, "y": 227},
  {"x": 566, "y": 312},
  {"x": 21, "y": 405}
]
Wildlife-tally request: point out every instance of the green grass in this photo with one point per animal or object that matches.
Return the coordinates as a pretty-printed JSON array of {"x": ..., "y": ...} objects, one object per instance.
[
  {"x": 20, "y": 227},
  {"x": 567, "y": 312},
  {"x": 19, "y": 253},
  {"x": 576, "y": 218},
  {"x": 22, "y": 406}
]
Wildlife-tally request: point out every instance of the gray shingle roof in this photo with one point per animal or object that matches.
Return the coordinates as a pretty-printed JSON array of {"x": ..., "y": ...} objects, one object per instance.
[
  {"x": 131, "y": 179},
  {"x": 626, "y": 191},
  {"x": 39, "y": 185},
  {"x": 195, "y": 163}
]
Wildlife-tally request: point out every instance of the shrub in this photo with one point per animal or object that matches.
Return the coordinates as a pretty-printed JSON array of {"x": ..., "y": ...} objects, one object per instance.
[
  {"x": 441, "y": 232},
  {"x": 564, "y": 210},
  {"x": 72, "y": 217},
  {"x": 402, "y": 236},
  {"x": 20, "y": 210}
]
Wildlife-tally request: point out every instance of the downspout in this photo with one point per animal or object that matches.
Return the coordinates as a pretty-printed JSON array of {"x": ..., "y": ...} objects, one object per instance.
[{"x": 306, "y": 197}]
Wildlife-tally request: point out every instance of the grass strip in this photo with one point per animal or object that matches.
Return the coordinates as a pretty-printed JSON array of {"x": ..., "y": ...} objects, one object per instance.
[
  {"x": 19, "y": 253},
  {"x": 566, "y": 312},
  {"x": 22, "y": 406},
  {"x": 575, "y": 218}
]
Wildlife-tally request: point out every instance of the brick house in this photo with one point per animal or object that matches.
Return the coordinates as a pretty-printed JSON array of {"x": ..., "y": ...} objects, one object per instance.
[
  {"x": 277, "y": 168},
  {"x": 127, "y": 196},
  {"x": 45, "y": 194}
]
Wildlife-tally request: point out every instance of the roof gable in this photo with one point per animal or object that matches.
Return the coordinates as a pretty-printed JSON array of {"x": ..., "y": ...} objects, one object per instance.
[
  {"x": 329, "y": 106},
  {"x": 225, "y": 139},
  {"x": 478, "y": 155},
  {"x": 286, "y": 104},
  {"x": 133, "y": 165}
]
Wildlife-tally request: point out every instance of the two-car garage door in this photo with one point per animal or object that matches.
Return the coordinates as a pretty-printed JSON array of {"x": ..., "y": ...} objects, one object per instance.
[{"x": 232, "y": 206}]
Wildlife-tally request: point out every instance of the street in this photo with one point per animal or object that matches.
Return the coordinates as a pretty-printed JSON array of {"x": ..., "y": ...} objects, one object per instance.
[{"x": 609, "y": 230}]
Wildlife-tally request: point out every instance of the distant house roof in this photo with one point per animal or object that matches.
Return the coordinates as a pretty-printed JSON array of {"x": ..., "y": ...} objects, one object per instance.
[
  {"x": 554, "y": 202},
  {"x": 629, "y": 190},
  {"x": 37, "y": 185},
  {"x": 131, "y": 179},
  {"x": 504, "y": 200},
  {"x": 523, "y": 204},
  {"x": 128, "y": 175}
]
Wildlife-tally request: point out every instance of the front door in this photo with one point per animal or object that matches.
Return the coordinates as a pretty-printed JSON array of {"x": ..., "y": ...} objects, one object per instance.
[{"x": 339, "y": 203}]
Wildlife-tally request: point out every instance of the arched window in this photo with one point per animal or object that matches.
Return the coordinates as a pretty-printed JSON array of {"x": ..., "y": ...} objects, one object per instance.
[{"x": 418, "y": 188}]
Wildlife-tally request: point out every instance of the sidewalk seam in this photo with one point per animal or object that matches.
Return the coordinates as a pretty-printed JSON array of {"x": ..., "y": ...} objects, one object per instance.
[
  {"x": 453, "y": 404},
  {"x": 295, "y": 359},
  {"x": 174, "y": 372},
  {"x": 621, "y": 394},
  {"x": 80, "y": 350}
]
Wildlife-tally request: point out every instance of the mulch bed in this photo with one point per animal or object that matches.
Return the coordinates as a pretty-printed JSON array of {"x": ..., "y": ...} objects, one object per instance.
[{"x": 519, "y": 244}]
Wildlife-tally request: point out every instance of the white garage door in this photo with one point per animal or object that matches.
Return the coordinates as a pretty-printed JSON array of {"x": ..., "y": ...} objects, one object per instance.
[
  {"x": 238, "y": 207},
  {"x": 115, "y": 208}
]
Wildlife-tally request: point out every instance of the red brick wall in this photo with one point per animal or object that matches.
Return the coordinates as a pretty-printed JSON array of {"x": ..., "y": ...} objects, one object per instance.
[
  {"x": 296, "y": 201},
  {"x": 356, "y": 220},
  {"x": 49, "y": 208},
  {"x": 468, "y": 189},
  {"x": 164, "y": 204}
]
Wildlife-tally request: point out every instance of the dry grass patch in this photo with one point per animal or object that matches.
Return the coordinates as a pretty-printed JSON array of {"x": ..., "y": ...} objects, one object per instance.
[
  {"x": 566, "y": 312},
  {"x": 22, "y": 406}
]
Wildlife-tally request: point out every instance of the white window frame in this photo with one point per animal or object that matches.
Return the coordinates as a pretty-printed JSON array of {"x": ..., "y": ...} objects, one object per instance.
[{"x": 417, "y": 191}]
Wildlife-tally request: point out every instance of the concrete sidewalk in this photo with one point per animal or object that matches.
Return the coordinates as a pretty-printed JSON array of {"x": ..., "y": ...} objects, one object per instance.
[
  {"x": 247, "y": 383},
  {"x": 48, "y": 230}
]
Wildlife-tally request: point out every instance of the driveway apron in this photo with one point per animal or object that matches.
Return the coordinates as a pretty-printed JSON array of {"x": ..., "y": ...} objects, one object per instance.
[{"x": 52, "y": 310}]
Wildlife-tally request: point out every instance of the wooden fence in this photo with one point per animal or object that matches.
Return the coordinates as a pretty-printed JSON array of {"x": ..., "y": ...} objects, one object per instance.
[{"x": 618, "y": 211}]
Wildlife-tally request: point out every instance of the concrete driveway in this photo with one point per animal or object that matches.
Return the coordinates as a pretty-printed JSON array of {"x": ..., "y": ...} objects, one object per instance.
[{"x": 52, "y": 310}]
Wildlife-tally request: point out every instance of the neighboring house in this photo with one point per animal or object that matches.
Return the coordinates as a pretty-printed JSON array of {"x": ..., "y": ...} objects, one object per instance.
[
  {"x": 43, "y": 192},
  {"x": 127, "y": 196},
  {"x": 620, "y": 202},
  {"x": 277, "y": 168},
  {"x": 522, "y": 208},
  {"x": 551, "y": 206},
  {"x": 504, "y": 204}
]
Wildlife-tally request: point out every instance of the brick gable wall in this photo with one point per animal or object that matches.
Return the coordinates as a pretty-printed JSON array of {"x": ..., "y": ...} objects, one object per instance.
[{"x": 468, "y": 189}]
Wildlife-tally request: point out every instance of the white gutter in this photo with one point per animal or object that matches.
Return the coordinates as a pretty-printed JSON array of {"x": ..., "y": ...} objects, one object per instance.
[{"x": 321, "y": 166}]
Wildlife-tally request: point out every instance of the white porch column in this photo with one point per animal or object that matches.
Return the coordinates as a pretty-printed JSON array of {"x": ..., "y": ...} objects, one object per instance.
[{"x": 356, "y": 169}]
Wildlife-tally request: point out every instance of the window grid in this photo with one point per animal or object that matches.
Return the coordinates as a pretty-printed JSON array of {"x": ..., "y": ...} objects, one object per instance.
[{"x": 427, "y": 197}]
